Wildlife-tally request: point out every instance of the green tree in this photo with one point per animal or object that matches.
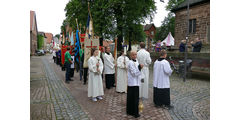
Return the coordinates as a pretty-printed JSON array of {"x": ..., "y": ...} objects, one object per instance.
[
  {"x": 172, "y": 4},
  {"x": 40, "y": 41},
  {"x": 111, "y": 18},
  {"x": 57, "y": 35},
  {"x": 168, "y": 24}
]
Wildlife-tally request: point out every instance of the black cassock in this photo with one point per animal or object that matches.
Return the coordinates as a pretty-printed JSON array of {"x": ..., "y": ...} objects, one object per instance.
[
  {"x": 161, "y": 96},
  {"x": 110, "y": 80},
  {"x": 132, "y": 100}
]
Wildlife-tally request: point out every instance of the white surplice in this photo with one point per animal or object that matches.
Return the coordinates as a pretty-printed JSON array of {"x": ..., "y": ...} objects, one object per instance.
[
  {"x": 161, "y": 73},
  {"x": 108, "y": 64},
  {"x": 95, "y": 85},
  {"x": 144, "y": 58},
  {"x": 122, "y": 74},
  {"x": 134, "y": 74}
]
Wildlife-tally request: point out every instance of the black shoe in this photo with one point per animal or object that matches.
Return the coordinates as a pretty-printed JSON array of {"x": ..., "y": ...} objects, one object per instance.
[
  {"x": 158, "y": 106},
  {"x": 168, "y": 107},
  {"x": 71, "y": 80},
  {"x": 136, "y": 116},
  {"x": 84, "y": 83}
]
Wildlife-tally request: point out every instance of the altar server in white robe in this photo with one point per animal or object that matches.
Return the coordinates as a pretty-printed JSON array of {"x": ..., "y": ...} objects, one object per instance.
[
  {"x": 95, "y": 85},
  {"x": 122, "y": 63},
  {"x": 144, "y": 58},
  {"x": 161, "y": 83},
  {"x": 134, "y": 80},
  {"x": 109, "y": 68}
]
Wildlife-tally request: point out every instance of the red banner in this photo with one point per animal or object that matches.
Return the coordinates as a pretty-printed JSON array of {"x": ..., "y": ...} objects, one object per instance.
[
  {"x": 63, "y": 51},
  {"x": 82, "y": 38}
]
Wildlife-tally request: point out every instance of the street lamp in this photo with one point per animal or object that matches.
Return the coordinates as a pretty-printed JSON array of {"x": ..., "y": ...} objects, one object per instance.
[{"x": 187, "y": 37}]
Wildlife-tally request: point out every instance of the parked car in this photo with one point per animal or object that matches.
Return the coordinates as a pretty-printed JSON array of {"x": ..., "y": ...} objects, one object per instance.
[{"x": 40, "y": 52}]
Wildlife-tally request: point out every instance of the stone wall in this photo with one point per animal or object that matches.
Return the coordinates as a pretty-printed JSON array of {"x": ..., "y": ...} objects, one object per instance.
[
  {"x": 199, "y": 12},
  {"x": 200, "y": 62},
  {"x": 33, "y": 38}
]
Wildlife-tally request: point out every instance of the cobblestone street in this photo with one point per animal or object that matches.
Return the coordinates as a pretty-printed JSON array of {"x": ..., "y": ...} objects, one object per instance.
[{"x": 51, "y": 98}]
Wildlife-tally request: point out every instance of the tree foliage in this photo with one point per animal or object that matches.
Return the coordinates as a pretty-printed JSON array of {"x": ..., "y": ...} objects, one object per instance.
[
  {"x": 172, "y": 4},
  {"x": 57, "y": 35},
  {"x": 40, "y": 41},
  {"x": 168, "y": 24},
  {"x": 111, "y": 18}
]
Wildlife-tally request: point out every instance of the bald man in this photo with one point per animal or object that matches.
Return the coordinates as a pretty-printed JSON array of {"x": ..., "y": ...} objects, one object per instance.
[{"x": 134, "y": 80}]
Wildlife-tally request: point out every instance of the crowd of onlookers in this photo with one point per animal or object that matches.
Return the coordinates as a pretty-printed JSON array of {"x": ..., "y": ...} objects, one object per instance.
[{"x": 196, "y": 46}]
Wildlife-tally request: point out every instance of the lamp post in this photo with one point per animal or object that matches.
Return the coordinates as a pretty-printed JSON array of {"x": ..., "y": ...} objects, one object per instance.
[{"x": 187, "y": 37}]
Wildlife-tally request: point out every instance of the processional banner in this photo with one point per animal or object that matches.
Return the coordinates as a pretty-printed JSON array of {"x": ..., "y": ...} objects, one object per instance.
[{"x": 88, "y": 45}]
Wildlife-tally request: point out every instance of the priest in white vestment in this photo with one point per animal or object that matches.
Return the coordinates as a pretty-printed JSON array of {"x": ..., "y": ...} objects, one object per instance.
[
  {"x": 161, "y": 83},
  {"x": 134, "y": 80},
  {"x": 144, "y": 58},
  {"x": 122, "y": 63},
  {"x": 109, "y": 68},
  {"x": 95, "y": 85}
]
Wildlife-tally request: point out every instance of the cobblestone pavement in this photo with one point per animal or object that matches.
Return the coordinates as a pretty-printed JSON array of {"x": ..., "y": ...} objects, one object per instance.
[
  {"x": 51, "y": 98},
  {"x": 41, "y": 106},
  {"x": 65, "y": 105},
  {"x": 191, "y": 100}
]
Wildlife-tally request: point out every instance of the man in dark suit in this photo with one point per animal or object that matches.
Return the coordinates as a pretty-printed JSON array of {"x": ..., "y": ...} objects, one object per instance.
[{"x": 197, "y": 45}]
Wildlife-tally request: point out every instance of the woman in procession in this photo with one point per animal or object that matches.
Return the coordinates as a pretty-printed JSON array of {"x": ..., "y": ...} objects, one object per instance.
[{"x": 95, "y": 85}]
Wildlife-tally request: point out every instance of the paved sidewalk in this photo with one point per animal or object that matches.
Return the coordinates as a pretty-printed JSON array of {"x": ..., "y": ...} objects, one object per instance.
[
  {"x": 191, "y": 100},
  {"x": 41, "y": 106},
  {"x": 51, "y": 98},
  {"x": 62, "y": 104}
]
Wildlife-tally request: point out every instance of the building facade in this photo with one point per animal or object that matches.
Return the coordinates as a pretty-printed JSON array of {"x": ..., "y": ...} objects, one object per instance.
[
  {"x": 150, "y": 31},
  {"x": 33, "y": 32},
  {"x": 49, "y": 41},
  {"x": 199, "y": 21}
]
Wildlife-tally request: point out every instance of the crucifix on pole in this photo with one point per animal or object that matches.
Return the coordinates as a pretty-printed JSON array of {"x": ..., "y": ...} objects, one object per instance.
[{"x": 90, "y": 47}]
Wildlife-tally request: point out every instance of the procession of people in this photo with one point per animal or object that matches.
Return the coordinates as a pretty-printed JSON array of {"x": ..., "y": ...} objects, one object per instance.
[{"x": 131, "y": 75}]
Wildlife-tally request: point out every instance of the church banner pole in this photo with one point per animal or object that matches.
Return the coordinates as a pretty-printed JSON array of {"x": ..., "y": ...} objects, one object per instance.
[{"x": 115, "y": 57}]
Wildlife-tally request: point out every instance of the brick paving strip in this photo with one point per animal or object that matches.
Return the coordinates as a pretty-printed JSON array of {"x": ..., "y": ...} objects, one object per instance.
[
  {"x": 65, "y": 106},
  {"x": 41, "y": 106}
]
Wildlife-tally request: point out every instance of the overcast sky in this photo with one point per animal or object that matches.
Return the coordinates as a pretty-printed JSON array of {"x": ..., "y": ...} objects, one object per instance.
[{"x": 50, "y": 14}]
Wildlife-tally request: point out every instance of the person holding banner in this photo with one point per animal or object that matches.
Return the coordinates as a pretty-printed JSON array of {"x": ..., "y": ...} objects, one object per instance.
[
  {"x": 81, "y": 62},
  {"x": 109, "y": 68},
  {"x": 95, "y": 86},
  {"x": 85, "y": 72},
  {"x": 122, "y": 63},
  {"x": 67, "y": 64}
]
